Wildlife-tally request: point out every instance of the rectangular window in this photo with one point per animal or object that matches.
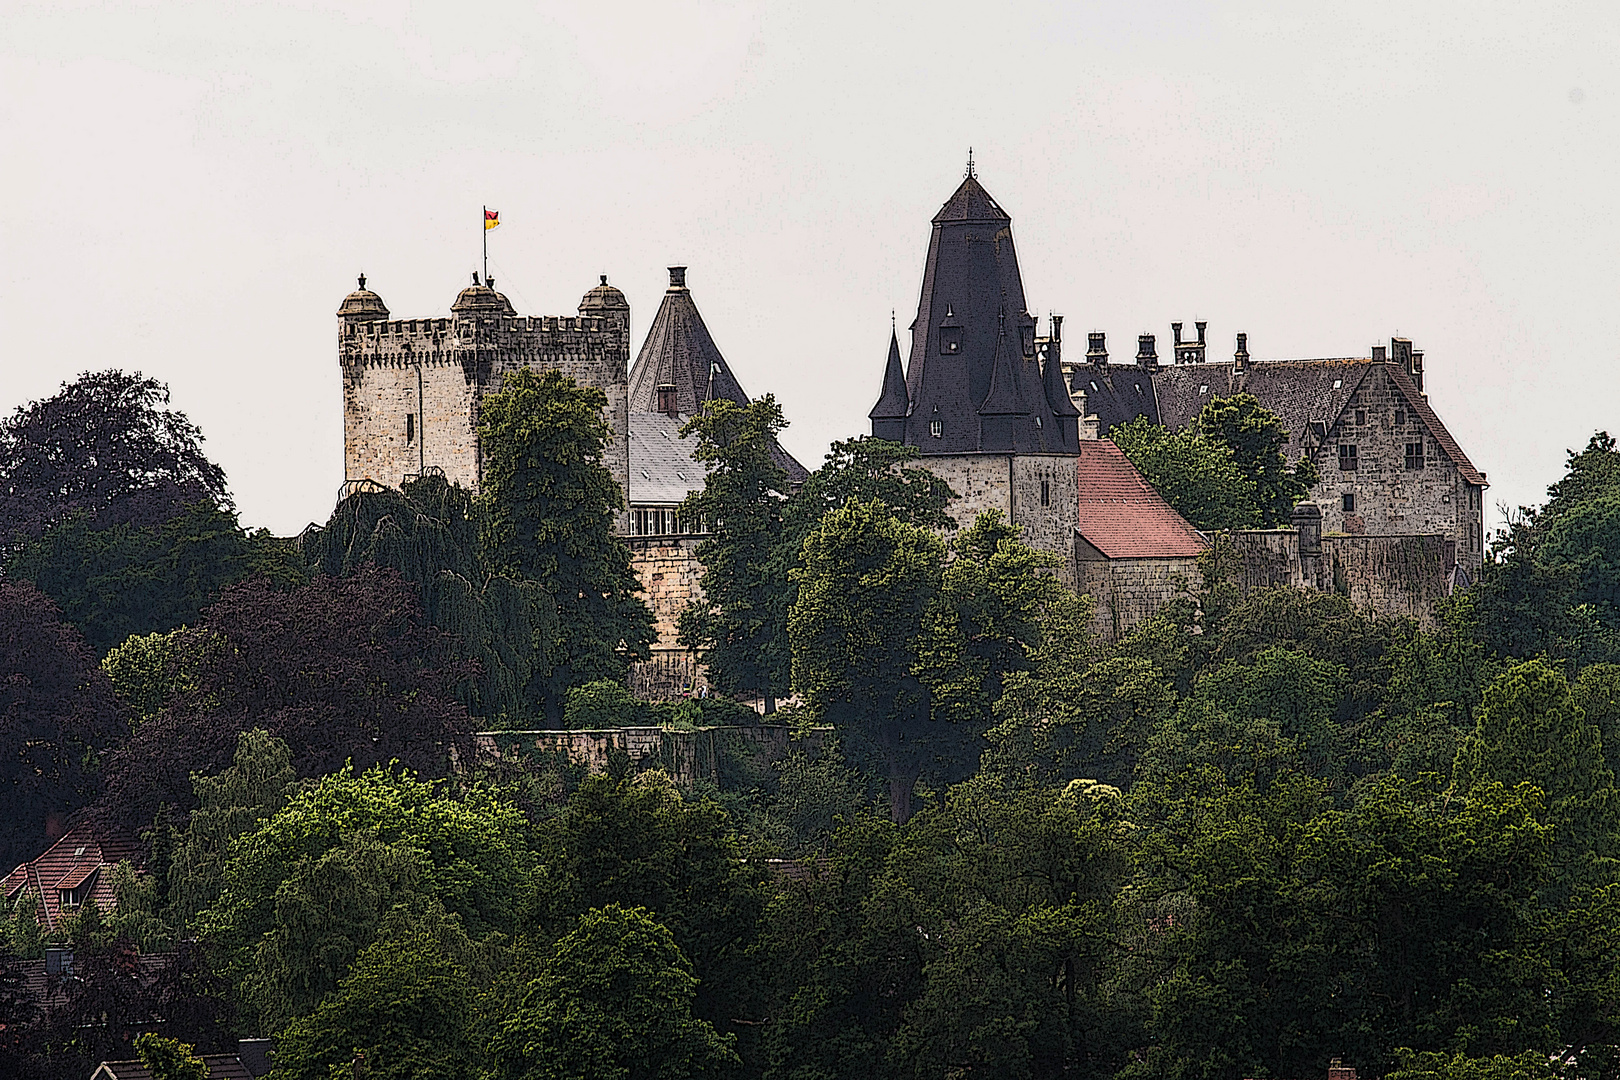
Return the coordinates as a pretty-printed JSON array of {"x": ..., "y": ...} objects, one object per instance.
[
  {"x": 1347, "y": 457},
  {"x": 658, "y": 522},
  {"x": 1414, "y": 455},
  {"x": 1046, "y": 493},
  {"x": 1400, "y": 417},
  {"x": 1361, "y": 416},
  {"x": 410, "y": 428},
  {"x": 1349, "y": 502}
]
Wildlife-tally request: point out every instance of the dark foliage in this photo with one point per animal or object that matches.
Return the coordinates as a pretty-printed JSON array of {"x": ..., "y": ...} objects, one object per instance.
[
  {"x": 341, "y": 669},
  {"x": 58, "y": 717},
  {"x": 106, "y": 445}
]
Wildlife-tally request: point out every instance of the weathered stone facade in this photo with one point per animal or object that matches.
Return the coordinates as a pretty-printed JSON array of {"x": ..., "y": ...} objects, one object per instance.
[
  {"x": 412, "y": 387},
  {"x": 1124, "y": 592},
  {"x": 1033, "y": 491},
  {"x": 1383, "y": 474},
  {"x": 687, "y": 755},
  {"x": 1399, "y": 576}
]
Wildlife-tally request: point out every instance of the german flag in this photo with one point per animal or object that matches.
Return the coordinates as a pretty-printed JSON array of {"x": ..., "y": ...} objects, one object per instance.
[{"x": 492, "y": 219}]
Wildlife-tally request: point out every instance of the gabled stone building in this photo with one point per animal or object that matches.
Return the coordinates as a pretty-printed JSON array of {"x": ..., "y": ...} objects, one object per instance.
[{"x": 1387, "y": 464}]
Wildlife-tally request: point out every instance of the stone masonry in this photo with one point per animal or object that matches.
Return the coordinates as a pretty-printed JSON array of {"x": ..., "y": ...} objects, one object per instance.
[{"x": 412, "y": 387}]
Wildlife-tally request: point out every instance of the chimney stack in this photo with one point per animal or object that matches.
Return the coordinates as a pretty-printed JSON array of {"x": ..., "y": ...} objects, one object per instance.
[
  {"x": 1189, "y": 352},
  {"x": 1378, "y": 354},
  {"x": 1097, "y": 348},
  {"x": 677, "y": 277},
  {"x": 1145, "y": 354},
  {"x": 1240, "y": 358}
]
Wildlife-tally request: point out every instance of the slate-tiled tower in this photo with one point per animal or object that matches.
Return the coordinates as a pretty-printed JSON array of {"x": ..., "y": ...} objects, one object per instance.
[
  {"x": 975, "y": 382},
  {"x": 984, "y": 399}
]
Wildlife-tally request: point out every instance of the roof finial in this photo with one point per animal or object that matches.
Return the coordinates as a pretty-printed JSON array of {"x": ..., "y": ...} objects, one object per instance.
[
  {"x": 362, "y": 281},
  {"x": 894, "y": 327},
  {"x": 970, "y": 171}
]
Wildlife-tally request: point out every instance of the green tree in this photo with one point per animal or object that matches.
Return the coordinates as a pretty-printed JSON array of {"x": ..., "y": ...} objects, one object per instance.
[
  {"x": 1257, "y": 438},
  {"x": 1437, "y": 1065},
  {"x": 549, "y": 509},
  {"x": 740, "y": 622},
  {"x": 428, "y": 531},
  {"x": 404, "y": 1008},
  {"x": 612, "y": 999},
  {"x": 868, "y": 469},
  {"x": 148, "y": 671},
  {"x": 638, "y": 841},
  {"x": 308, "y": 889},
  {"x": 1530, "y": 729},
  {"x": 230, "y": 805},
  {"x": 169, "y": 1059},
  {"x": 1195, "y": 472},
  {"x": 865, "y": 591}
]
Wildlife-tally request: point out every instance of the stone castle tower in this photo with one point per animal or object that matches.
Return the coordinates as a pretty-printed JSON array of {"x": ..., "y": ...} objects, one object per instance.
[
  {"x": 983, "y": 399},
  {"x": 412, "y": 387}
]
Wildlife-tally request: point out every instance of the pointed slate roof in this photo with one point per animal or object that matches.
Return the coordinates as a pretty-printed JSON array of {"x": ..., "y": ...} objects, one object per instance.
[
  {"x": 893, "y": 403},
  {"x": 679, "y": 352},
  {"x": 972, "y": 288}
]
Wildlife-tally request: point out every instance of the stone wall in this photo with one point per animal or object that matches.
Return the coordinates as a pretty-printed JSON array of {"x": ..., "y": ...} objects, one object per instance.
[
  {"x": 687, "y": 755},
  {"x": 437, "y": 370},
  {"x": 1390, "y": 498},
  {"x": 671, "y": 577},
  {"x": 1012, "y": 484},
  {"x": 1124, "y": 592},
  {"x": 1389, "y": 575}
]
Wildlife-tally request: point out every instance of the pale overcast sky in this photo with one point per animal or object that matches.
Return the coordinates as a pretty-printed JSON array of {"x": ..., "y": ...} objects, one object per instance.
[{"x": 189, "y": 190}]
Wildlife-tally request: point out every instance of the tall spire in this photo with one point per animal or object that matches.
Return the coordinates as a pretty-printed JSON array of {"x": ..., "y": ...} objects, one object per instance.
[
  {"x": 970, "y": 171},
  {"x": 888, "y": 416},
  {"x": 974, "y": 336}
]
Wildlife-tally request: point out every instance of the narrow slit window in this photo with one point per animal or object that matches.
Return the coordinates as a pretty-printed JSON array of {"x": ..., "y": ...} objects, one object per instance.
[
  {"x": 410, "y": 427},
  {"x": 1046, "y": 493}
]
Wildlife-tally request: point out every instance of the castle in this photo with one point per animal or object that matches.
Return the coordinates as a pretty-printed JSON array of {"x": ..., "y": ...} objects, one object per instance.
[
  {"x": 991, "y": 406},
  {"x": 411, "y": 395}
]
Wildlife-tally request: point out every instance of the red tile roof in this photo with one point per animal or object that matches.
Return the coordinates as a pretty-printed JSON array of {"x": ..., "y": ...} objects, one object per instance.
[
  {"x": 69, "y": 863},
  {"x": 1120, "y": 513}
]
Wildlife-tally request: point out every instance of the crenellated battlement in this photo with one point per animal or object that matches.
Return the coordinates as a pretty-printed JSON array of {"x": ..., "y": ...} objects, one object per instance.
[
  {"x": 412, "y": 387},
  {"x": 507, "y": 340}
]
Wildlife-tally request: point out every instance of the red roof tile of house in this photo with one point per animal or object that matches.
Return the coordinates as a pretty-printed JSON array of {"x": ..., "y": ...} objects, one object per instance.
[
  {"x": 69, "y": 863},
  {"x": 1122, "y": 516}
]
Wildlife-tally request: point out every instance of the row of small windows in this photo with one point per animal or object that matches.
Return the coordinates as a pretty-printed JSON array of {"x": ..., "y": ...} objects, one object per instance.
[
  {"x": 662, "y": 521},
  {"x": 1349, "y": 456}
]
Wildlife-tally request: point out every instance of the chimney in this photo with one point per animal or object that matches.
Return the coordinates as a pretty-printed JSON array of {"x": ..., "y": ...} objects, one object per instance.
[
  {"x": 1145, "y": 355},
  {"x": 1097, "y": 349},
  {"x": 1054, "y": 344},
  {"x": 1189, "y": 352},
  {"x": 1240, "y": 358},
  {"x": 1378, "y": 354},
  {"x": 1417, "y": 370},
  {"x": 1339, "y": 1071},
  {"x": 666, "y": 400},
  {"x": 677, "y": 277}
]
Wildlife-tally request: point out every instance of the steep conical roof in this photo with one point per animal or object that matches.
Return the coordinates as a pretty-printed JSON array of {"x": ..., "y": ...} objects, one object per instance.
[
  {"x": 679, "y": 352},
  {"x": 971, "y": 285},
  {"x": 970, "y": 202},
  {"x": 893, "y": 402}
]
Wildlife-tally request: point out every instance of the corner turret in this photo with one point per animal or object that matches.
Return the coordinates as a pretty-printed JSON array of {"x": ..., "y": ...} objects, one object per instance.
[
  {"x": 480, "y": 298},
  {"x": 362, "y": 305},
  {"x": 606, "y": 302},
  {"x": 888, "y": 416}
]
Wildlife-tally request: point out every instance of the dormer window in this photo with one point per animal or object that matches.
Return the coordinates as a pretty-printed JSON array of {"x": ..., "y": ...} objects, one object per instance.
[
  {"x": 950, "y": 333},
  {"x": 936, "y": 428},
  {"x": 1026, "y": 335}
]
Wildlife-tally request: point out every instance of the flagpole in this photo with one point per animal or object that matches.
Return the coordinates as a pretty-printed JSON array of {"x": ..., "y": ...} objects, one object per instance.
[{"x": 483, "y": 225}]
